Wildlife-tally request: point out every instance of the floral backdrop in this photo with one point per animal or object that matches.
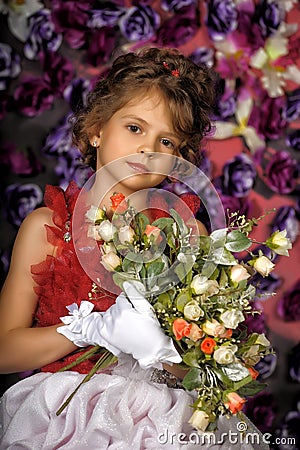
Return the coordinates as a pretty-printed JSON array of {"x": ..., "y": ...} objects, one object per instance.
[{"x": 51, "y": 53}]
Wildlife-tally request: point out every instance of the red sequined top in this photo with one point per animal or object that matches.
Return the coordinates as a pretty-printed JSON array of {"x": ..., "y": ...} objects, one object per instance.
[{"x": 61, "y": 280}]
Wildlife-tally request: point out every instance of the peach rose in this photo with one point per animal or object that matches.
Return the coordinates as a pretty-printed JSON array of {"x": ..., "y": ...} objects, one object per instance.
[
  {"x": 235, "y": 402},
  {"x": 181, "y": 328},
  {"x": 195, "y": 333}
]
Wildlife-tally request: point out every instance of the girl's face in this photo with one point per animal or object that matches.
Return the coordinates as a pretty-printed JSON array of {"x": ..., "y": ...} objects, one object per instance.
[{"x": 133, "y": 144}]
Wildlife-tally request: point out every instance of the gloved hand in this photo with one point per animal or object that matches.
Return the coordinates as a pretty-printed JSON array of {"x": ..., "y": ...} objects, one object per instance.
[{"x": 127, "y": 326}]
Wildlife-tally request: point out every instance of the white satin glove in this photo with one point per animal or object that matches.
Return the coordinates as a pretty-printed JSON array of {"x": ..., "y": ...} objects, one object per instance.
[{"x": 128, "y": 327}]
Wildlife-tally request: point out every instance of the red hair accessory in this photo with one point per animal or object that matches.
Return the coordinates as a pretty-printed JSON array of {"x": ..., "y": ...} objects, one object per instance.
[{"x": 174, "y": 72}]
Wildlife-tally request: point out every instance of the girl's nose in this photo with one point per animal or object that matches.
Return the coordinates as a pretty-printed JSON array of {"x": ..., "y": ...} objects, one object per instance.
[{"x": 147, "y": 147}]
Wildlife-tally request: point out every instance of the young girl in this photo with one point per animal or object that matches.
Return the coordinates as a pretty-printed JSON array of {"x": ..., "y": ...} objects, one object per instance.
[{"x": 151, "y": 104}]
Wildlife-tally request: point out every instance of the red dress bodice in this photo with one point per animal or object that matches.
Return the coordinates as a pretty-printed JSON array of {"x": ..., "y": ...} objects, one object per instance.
[{"x": 60, "y": 279}]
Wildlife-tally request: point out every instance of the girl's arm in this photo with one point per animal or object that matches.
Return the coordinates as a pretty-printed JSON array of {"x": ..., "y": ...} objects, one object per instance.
[{"x": 22, "y": 347}]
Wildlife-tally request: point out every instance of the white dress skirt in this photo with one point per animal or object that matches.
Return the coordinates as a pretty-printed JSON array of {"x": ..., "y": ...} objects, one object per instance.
[{"x": 117, "y": 410}]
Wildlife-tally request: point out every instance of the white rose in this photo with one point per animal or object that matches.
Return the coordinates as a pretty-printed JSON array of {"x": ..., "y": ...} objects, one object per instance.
[
  {"x": 279, "y": 243},
  {"x": 192, "y": 310},
  {"x": 199, "y": 420},
  {"x": 262, "y": 340},
  {"x": 201, "y": 285},
  {"x": 263, "y": 265},
  {"x": 108, "y": 247},
  {"x": 225, "y": 354},
  {"x": 107, "y": 230},
  {"x": 110, "y": 261},
  {"x": 251, "y": 356},
  {"x": 93, "y": 232},
  {"x": 126, "y": 234},
  {"x": 238, "y": 273},
  {"x": 94, "y": 213},
  {"x": 232, "y": 318},
  {"x": 213, "y": 328}
]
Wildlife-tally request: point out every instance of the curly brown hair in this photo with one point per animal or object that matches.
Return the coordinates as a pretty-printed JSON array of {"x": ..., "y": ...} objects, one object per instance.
[{"x": 189, "y": 97}]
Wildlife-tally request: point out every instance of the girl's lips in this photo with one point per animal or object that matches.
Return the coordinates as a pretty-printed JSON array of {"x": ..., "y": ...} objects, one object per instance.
[{"x": 138, "y": 167}]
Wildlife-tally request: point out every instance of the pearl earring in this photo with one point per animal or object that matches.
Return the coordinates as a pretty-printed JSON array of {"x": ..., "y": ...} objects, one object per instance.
[{"x": 95, "y": 144}]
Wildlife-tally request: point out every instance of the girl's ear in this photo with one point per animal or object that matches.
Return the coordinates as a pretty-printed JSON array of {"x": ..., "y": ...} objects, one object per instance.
[{"x": 95, "y": 141}]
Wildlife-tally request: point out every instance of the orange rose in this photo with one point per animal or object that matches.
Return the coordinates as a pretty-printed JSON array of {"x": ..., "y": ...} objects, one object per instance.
[
  {"x": 207, "y": 345},
  {"x": 118, "y": 202},
  {"x": 254, "y": 374},
  {"x": 181, "y": 328},
  {"x": 235, "y": 403}
]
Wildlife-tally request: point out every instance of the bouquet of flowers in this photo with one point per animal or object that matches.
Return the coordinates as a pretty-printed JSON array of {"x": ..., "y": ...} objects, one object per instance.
[{"x": 201, "y": 292}]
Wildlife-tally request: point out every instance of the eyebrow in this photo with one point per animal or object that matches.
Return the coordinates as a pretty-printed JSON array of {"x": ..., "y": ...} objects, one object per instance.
[{"x": 139, "y": 119}]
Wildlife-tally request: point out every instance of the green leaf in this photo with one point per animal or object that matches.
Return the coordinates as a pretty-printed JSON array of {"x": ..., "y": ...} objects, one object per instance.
[
  {"x": 182, "y": 299},
  {"x": 252, "y": 388},
  {"x": 193, "y": 379},
  {"x": 223, "y": 256},
  {"x": 155, "y": 268},
  {"x": 237, "y": 241},
  {"x": 163, "y": 222},
  {"x": 191, "y": 358},
  {"x": 223, "y": 280}
]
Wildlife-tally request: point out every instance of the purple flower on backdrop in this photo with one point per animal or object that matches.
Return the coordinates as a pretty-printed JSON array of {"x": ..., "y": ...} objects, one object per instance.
[
  {"x": 292, "y": 109},
  {"x": 238, "y": 176},
  {"x": 175, "y": 5},
  {"x": 58, "y": 72},
  {"x": 270, "y": 15},
  {"x": 265, "y": 285},
  {"x": 20, "y": 200},
  {"x": 256, "y": 323},
  {"x": 4, "y": 262},
  {"x": 70, "y": 167},
  {"x": 101, "y": 46},
  {"x": 289, "y": 431},
  {"x": 226, "y": 102},
  {"x": 248, "y": 33},
  {"x": 288, "y": 306},
  {"x": 33, "y": 96},
  {"x": 286, "y": 218},
  {"x": 221, "y": 18},
  {"x": 42, "y": 36},
  {"x": 10, "y": 66},
  {"x": 294, "y": 363},
  {"x": 180, "y": 28},
  {"x": 107, "y": 15},
  {"x": 18, "y": 162},
  {"x": 3, "y": 104},
  {"x": 76, "y": 92},
  {"x": 71, "y": 18},
  {"x": 266, "y": 366},
  {"x": 59, "y": 140},
  {"x": 203, "y": 55},
  {"x": 139, "y": 23},
  {"x": 293, "y": 140},
  {"x": 282, "y": 173},
  {"x": 261, "y": 410},
  {"x": 268, "y": 118},
  {"x": 232, "y": 204}
]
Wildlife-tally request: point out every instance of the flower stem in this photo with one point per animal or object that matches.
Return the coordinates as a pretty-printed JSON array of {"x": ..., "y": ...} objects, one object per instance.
[{"x": 105, "y": 359}]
